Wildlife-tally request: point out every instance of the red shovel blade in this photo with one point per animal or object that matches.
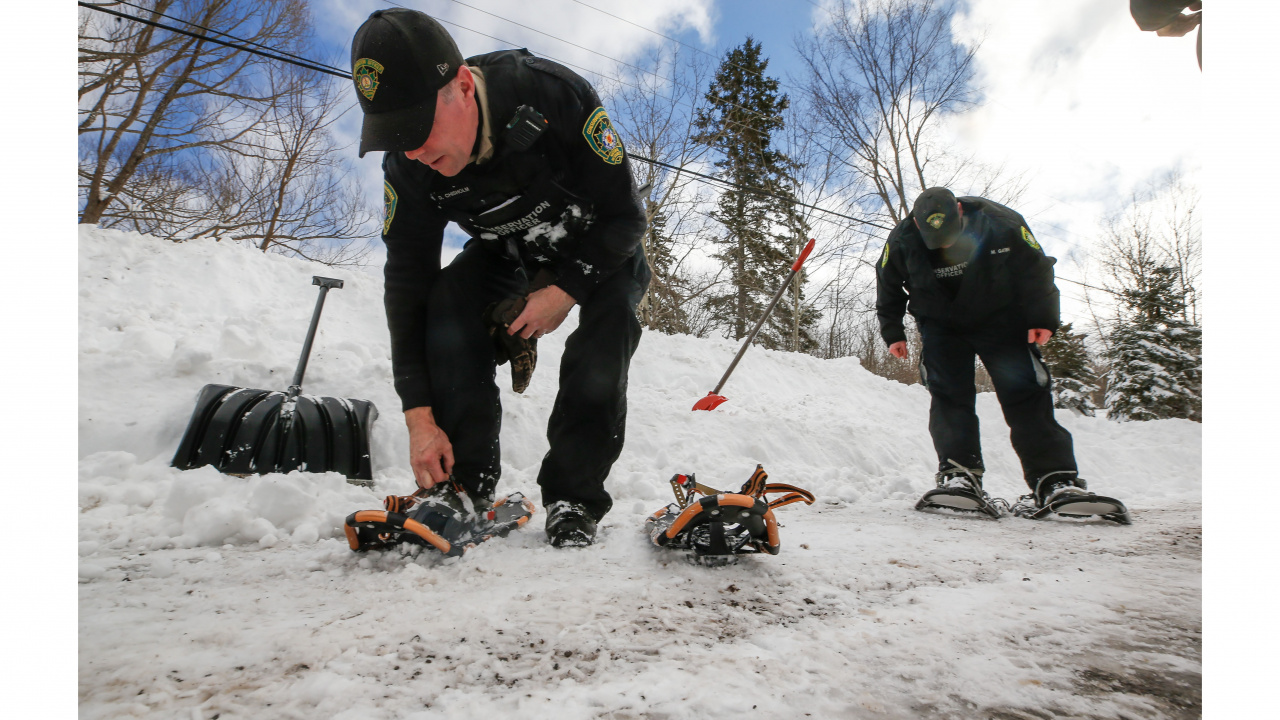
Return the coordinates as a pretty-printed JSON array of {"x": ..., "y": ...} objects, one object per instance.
[{"x": 710, "y": 402}]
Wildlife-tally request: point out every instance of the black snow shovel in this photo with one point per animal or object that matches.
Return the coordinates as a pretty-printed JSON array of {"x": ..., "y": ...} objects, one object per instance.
[{"x": 242, "y": 431}]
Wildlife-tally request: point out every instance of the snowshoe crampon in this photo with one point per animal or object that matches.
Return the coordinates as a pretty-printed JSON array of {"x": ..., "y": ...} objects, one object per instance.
[
  {"x": 960, "y": 489},
  {"x": 719, "y": 523},
  {"x": 1085, "y": 506},
  {"x": 440, "y": 518},
  {"x": 1070, "y": 498}
]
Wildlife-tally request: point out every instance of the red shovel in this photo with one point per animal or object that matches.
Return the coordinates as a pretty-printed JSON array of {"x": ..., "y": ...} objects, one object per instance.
[{"x": 713, "y": 398}]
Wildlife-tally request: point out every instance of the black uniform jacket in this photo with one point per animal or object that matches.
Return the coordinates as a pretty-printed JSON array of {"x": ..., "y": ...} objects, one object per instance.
[
  {"x": 564, "y": 200},
  {"x": 1008, "y": 282}
]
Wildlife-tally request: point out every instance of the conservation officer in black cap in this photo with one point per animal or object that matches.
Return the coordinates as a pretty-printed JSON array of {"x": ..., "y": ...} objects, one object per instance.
[
  {"x": 518, "y": 152},
  {"x": 979, "y": 283}
]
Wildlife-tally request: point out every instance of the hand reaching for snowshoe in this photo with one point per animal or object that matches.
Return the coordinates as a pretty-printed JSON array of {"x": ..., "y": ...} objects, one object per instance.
[{"x": 430, "y": 452}]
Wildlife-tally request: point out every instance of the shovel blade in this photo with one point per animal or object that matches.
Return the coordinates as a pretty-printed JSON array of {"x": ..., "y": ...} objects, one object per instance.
[
  {"x": 710, "y": 402},
  {"x": 240, "y": 431}
]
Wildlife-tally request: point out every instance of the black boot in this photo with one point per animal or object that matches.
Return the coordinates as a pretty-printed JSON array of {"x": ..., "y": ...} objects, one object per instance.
[{"x": 569, "y": 525}]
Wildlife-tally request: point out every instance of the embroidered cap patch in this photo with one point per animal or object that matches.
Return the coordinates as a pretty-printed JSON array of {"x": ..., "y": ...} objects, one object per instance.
[
  {"x": 602, "y": 138},
  {"x": 1031, "y": 240},
  {"x": 365, "y": 74},
  {"x": 935, "y": 220}
]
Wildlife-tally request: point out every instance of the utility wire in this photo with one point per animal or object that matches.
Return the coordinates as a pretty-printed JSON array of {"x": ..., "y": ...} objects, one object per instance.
[
  {"x": 219, "y": 32},
  {"x": 346, "y": 76},
  {"x": 309, "y": 65},
  {"x": 746, "y": 110},
  {"x": 755, "y": 191},
  {"x": 668, "y": 37},
  {"x": 241, "y": 44}
]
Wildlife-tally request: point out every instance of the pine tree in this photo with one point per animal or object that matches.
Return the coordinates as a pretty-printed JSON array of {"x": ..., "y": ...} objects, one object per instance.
[
  {"x": 661, "y": 307},
  {"x": 1073, "y": 380},
  {"x": 793, "y": 324},
  {"x": 745, "y": 111},
  {"x": 1155, "y": 354}
]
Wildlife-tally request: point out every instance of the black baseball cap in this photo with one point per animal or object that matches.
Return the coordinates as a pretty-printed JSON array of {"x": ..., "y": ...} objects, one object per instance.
[
  {"x": 399, "y": 61},
  {"x": 937, "y": 217}
]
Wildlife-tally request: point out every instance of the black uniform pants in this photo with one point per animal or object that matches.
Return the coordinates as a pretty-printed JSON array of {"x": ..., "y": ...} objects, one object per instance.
[
  {"x": 586, "y": 429},
  {"x": 1022, "y": 387}
]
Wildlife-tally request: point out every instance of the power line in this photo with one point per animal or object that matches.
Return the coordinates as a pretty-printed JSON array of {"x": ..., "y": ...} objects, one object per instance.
[
  {"x": 666, "y": 37},
  {"x": 309, "y": 65},
  {"x": 323, "y": 69},
  {"x": 757, "y": 192},
  {"x": 219, "y": 32},
  {"x": 567, "y": 42},
  {"x": 594, "y": 52}
]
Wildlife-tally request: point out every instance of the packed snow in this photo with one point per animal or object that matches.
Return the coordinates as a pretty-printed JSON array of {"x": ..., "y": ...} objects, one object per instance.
[{"x": 205, "y": 595}]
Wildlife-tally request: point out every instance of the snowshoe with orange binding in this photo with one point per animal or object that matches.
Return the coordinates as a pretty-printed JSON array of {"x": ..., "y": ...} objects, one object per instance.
[
  {"x": 722, "y": 524},
  {"x": 442, "y": 518}
]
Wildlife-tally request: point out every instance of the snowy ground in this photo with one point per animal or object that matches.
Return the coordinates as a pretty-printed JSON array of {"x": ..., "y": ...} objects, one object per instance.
[{"x": 205, "y": 595}]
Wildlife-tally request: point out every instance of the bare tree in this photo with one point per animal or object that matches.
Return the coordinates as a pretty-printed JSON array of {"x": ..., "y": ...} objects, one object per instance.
[
  {"x": 883, "y": 76},
  {"x": 655, "y": 108},
  {"x": 1159, "y": 228},
  {"x": 841, "y": 268},
  {"x": 147, "y": 94},
  {"x": 287, "y": 187},
  {"x": 184, "y": 138}
]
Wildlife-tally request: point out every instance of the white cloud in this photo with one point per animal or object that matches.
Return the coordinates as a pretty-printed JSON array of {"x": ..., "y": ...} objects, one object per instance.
[{"x": 1091, "y": 107}]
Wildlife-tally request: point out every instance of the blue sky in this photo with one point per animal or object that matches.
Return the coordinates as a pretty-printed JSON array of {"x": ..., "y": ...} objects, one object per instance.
[{"x": 1086, "y": 107}]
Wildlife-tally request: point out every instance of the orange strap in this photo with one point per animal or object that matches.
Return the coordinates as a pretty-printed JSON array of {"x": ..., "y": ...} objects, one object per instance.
[
  {"x": 685, "y": 486},
  {"x": 754, "y": 486},
  {"x": 413, "y": 526},
  {"x": 794, "y": 494},
  {"x": 729, "y": 500}
]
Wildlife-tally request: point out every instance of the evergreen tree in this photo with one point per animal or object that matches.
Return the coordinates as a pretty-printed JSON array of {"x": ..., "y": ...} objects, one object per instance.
[
  {"x": 1155, "y": 354},
  {"x": 661, "y": 307},
  {"x": 745, "y": 111},
  {"x": 793, "y": 324},
  {"x": 1073, "y": 380}
]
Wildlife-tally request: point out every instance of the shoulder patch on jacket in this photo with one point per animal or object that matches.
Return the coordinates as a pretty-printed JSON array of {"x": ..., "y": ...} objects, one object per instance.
[
  {"x": 1031, "y": 239},
  {"x": 884, "y": 259},
  {"x": 602, "y": 138},
  {"x": 389, "y": 200}
]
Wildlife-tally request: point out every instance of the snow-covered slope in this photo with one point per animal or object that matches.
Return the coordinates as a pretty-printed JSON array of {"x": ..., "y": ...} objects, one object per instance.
[{"x": 242, "y": 592}]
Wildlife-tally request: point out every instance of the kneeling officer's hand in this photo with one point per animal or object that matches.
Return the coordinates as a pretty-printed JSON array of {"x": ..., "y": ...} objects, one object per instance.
[{"x": 430, "y": 452}]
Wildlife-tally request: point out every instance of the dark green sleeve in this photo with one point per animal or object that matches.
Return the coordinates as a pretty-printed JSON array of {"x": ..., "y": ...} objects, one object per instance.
[{"x": 891, "y": 291}]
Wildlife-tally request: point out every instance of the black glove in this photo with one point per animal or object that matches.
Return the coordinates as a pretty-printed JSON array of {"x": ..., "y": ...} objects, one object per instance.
[{"x": 522, "y": 353}]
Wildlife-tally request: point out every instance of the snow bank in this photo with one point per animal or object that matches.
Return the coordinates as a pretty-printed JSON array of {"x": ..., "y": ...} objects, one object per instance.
[
  {"x": 159, "y": 320},
  {"x": 203, "y": 595}
]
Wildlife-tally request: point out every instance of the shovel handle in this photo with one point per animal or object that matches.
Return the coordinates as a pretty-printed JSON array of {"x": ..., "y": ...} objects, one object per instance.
[
  {"x": 325, "y": 284},
  {"x": 795, "y": 268}
]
